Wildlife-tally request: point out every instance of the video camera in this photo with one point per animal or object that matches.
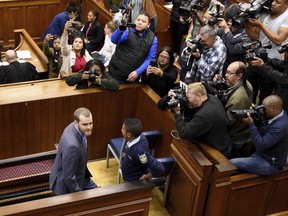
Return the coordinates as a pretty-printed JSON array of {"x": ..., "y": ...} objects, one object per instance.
[
  {"x": 93, "y": 74},
  {"x": 283, "y": 48},
  {"x": 187, "y": 7},
  {"x": 215, "y": 16},
  {"x": 257, "y": 112},
  {"x": 218, "y": 89},
  {"x": 197, "y": 43},
  {"x": 73, "y": 31},
  {"x": 255, "y": 7},
  {"x": 256, "y": 49}
]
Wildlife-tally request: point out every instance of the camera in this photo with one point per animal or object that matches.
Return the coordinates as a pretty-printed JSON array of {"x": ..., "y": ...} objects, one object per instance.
[
  {"x": 218, "y": 89},
  {"x": 215, "y": 16},
  {"x": 283, "y": 48},
  {"x": 54, "y": 37},
  {"x": 124, "y": 22},
  {"x": 259, "y": 51},
  {"x": 196, "y": 43},
  {"x": 180, "y": 98},
  {"x": 93, "y": 74},
  {"x": 257, "y": 112},
  {"x": 74, "y": 24},
  {"x": 245, "y": 13},
  {"x": 153, "y": 63},
  {"x": 186, "y": 8}
]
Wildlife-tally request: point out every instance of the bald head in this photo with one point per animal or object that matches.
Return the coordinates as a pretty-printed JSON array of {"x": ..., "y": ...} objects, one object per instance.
[
  {"x": 10, "y": 56},
  {"x": 273, "y": 105}
]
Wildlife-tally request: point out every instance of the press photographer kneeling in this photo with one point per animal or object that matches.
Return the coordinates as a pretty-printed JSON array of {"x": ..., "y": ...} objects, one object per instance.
[{"x": 208, "y": 122}]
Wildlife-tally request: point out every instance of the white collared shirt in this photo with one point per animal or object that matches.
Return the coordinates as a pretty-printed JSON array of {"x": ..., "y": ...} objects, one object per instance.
[
  {"x": 276, "y": 117},
  {"x": 130, "y": 144}
]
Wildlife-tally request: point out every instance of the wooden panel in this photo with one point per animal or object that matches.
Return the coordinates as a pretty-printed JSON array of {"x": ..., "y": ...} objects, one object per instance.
[
  {"x": 278, "y": 200},
  {"x": 249, "y": 193},
  {"x": 153, "y": 118},
  {"x": 23, "y": 41},
  {"x": 15, "y": 19},
  {"x": 121, "y": 199},
  {"x": 26, "y": 14},
  {"x": 189, "y": 180},
  {"x": 32, "y": 12}
]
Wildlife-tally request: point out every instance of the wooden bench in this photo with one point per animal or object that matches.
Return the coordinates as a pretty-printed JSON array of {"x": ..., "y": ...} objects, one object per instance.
[{"x": 25, "y": 178}]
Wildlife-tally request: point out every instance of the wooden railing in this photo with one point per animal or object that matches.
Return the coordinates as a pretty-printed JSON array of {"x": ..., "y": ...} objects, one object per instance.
[{"x": 121, "y": 199}]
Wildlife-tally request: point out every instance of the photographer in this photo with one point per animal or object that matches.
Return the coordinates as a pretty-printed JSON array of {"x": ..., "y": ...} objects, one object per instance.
[
  {"x": 208, "y": 124},
  {"x": 74, "y": 56},
  {"x": 271, "y": 144},
  {"x": 239, "y": 97},
  {"x": 161, "y": 74},
  {"x": 211, "y": 61},
  {"x": 273, "y": 27},
  {"x": 53, "y": 54},
  {"x": 231, "y": 34},
  {"x": 276, "y": 71},
  {"x": 136, "y": 47},
  {"x": 93, "y": 75}
]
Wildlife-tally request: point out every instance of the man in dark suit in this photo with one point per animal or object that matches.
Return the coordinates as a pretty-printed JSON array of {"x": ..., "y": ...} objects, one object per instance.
[
  {"x": 16, "y": 71},
  {"x": 69, "y": 172}
]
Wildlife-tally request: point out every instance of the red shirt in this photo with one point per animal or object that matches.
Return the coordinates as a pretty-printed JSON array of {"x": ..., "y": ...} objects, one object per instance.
[{"x": 79, "y": 63}]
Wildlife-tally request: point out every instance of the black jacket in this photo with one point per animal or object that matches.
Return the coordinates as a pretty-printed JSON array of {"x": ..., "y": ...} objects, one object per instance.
[{"x": 277, "y": 71}]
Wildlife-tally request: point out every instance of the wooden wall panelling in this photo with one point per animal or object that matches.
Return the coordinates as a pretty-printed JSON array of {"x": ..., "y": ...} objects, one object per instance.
[
  {"x": 129, "y": 199},
  {"x": 254, "y": 194},
  {"x": 278, "y": 200},
  {"x": 189, "y": 180},
  {"x": 154, "y": 118},
  {"x": 34, "y": 16}
]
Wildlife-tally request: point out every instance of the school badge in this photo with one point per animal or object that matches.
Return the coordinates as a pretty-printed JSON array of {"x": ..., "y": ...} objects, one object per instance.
[{"x": 143, "y": 158}]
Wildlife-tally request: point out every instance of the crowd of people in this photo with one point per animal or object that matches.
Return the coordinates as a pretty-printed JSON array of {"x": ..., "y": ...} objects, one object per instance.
[{"x": 224, "y": 62}]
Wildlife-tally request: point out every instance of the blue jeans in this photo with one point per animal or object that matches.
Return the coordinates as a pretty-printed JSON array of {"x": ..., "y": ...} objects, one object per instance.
[{"x": 255, "y": 164}]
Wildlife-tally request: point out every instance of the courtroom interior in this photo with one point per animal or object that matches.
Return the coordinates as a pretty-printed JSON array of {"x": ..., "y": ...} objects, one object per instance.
[{"x": 199, "y": 178}]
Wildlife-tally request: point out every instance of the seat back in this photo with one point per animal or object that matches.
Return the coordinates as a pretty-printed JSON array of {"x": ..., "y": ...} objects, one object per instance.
[
  {"x": 168, "y": 163},
  {"x": 163, "y": 179},
  {"x": 152, "y": 137}
]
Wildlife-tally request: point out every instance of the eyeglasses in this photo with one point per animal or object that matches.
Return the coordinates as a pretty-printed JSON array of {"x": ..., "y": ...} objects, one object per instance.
[
  {"x": 164, "y": 57},
  {"x": 230, "y": 73}
]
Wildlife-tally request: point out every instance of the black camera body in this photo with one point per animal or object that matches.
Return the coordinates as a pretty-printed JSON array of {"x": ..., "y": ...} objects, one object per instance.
[
  {"x": 218, "y": 89},
  {"x": 257, "y": 112},
  {"x": 124, "y": 22},
  {"x": 283, "y": 48},
  {"x": 54, "y": 37},
  {"x": 255, "y": 8},
  {"x": 93, "y": 74},
  {"x": 196, "y": 43},
  {"x": 215, "y": 16},
  {"x": 179, "y": 98},
  {"x": 258, "y": 50},
  {"x": 185, "y": 9}
]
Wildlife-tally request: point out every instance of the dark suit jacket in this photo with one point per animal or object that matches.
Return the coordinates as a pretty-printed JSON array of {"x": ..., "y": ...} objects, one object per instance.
[
  {"x": 19, "y": 72},
  {"x": 68, "y": 171}
]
